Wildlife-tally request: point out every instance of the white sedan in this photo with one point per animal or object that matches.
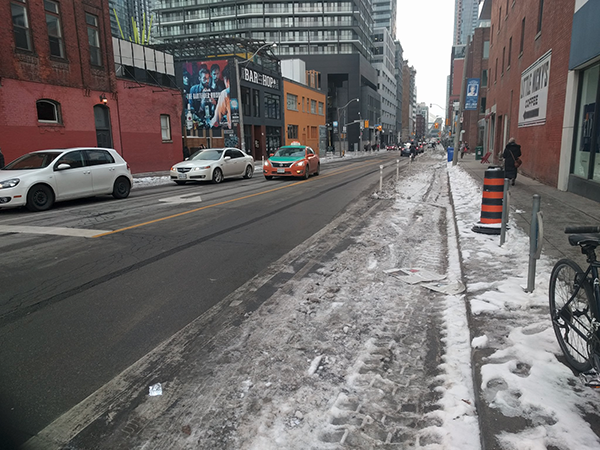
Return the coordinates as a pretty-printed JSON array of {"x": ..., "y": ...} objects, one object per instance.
[
  {"x": 38, "y": 179},
  {"x": 213, "y": 164}
]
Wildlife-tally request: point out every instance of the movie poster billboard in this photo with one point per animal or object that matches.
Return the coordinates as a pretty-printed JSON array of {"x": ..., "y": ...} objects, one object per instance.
[{"x": 207, "y": 102}]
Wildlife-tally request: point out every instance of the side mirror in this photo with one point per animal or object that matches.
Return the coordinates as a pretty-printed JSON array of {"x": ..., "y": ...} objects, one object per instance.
[
  {"x": 271, "y": 155},
  {"x": 227, "y": 158},
  {"x": 63, "y": 166}
]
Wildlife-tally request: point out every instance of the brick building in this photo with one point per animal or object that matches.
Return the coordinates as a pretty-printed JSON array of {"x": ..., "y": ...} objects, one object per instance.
[
  {"x": 477, "y": 67},
  {"x": 527, "y": 80},
  {"x": 304, "y": 106},
  {"x": 65, "y": 82}
]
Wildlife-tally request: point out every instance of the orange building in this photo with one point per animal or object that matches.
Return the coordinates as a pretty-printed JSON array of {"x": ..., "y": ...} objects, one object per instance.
[{"x": 304, "y": 114}]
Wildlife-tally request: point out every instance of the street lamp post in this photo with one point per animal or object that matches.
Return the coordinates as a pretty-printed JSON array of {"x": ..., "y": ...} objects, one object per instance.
[
  {"x": 239, "y": 90},
  {"x": 338, "y": 114}
]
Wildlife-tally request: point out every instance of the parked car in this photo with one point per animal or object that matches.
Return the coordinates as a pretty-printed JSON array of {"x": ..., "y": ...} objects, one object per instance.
[
  {"x": 294, "y": 160},
  {"x": 38, "y": 179},
  {"x": 213, "y": 164},
  {"x": 391, "y": 147}
]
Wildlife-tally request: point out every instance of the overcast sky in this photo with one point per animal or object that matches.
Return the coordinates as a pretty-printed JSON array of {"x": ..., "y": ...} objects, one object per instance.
[{"x": 425, "y": 30}]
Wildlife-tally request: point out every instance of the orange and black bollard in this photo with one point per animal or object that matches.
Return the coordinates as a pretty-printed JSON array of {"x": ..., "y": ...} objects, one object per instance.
[{"x": 492, "y": 202}]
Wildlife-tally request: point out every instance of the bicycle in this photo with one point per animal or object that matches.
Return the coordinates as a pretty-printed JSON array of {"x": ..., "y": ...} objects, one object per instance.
[{"x": 575, "y": 306}]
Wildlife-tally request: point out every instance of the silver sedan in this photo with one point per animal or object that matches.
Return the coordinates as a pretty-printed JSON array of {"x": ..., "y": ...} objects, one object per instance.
[{"x": 213, "y": 164}]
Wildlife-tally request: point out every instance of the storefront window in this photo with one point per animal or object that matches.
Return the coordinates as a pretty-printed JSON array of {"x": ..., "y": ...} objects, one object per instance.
[{"x": 585, "y": 123}]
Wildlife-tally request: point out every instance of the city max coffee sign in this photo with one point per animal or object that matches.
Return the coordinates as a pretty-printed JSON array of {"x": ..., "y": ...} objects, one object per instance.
[
  {"x": 252, "y": 76},
  {"x": 534, "y": 92}
]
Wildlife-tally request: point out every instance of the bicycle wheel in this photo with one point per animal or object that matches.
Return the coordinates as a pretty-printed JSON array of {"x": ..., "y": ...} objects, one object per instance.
[{"x": 572, "y": 317}]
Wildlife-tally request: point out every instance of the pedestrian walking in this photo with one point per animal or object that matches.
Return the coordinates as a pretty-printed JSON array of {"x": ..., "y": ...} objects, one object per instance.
[
  {"x": 512, "y": 160},
  {"x": 1, "y": 160}
]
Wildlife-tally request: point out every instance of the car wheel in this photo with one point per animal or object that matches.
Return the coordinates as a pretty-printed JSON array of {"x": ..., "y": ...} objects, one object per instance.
[
  {"x": 249, "y": 172},
  {"x": 180, "y": 182},
  {"x": 217, "y": 176},
  {"x": 306, "y": 173},
  {"x": 40, "y": 198},
  {"x": 121, "y": 188},
  {"x": 268, "y": 177},
  {"x": 318, "y": 169}
]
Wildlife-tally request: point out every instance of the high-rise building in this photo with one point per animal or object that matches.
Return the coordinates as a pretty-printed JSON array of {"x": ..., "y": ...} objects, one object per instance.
[
  {"x": 131, "y": 19},
  {"x": 298, "y": 28},
  {"x": 466, "y": 14},
  {"x": 333, "y": 38},
  {"x": 384, "y": 15},
  {"x": 384, "y": 55}
]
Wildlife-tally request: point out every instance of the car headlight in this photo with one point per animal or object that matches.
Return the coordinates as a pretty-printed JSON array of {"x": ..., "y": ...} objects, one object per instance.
[
  {"x": 299, "y": 164},
  {"x": 267, "y": 163},
  {"x": 201, "y": 168},
  {"x": 9, "y": 183}
]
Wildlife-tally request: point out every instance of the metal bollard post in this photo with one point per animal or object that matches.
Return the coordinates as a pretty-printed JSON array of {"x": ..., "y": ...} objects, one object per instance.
[
  {"x": 536, "y": 236},
  {"x": 505, "y": 206},
  {"x": 380, "y": 178},
  {"x": 397, "y": 169}
]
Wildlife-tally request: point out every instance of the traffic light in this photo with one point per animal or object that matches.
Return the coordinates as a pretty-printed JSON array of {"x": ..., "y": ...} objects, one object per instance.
[
  {"x": 437, "y": 125},
  {"x": 366, "y": 124},
  {"x": 379, "y": 128}
]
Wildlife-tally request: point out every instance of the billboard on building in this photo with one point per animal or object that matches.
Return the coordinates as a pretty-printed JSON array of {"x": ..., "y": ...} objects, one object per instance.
[
  {"x": 206, "y": 86},
  {"x": 472, "y": 94},
  {"x": 534, "y": 92}
]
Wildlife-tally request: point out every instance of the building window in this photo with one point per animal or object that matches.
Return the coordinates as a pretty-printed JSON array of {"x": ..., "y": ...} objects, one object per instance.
[
  {"x": 321, "y": 106},
  {"x": 540, "y": 16},
  {"x": 246, "y": 103},
  {"x": 586, "y": 163},
  {"x": 509, "y": 52},
  {"x": 482, "y": 105},
  {"x": 313, "y": 132},
  {"x": 48, "y": 111},
  {"x": 484, "y": 78},
  {"x": 255, "y": 103},
  {"x": 503, "y": 56},
  {"x": 302, "y": 104},
  {"x": 57, "y": 47},
  {"x": 522, "y": 36},
  {"x": 313, "y": 106},
  {"x": 21, "y": 26},
  {"x": 292, "y": 132},
  {"x": 272, "y": 107},
  {"x": 496, "y": 71},
  {"x": 292, "y": 102},
  {"x": 486, "y": 49},
  {"x": 165, "y": 127},
  {"x": 93, "y": 39}
]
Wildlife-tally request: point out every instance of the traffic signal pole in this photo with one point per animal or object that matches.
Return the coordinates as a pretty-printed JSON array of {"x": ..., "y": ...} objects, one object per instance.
[{"x": 461, "y": 106}]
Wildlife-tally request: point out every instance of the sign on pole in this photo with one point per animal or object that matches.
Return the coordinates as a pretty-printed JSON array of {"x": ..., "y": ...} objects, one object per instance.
[{"x": 472, "y": 94}]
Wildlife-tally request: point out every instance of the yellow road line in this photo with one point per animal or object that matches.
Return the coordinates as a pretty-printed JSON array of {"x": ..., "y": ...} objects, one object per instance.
[{"x": 228, "y": 201}]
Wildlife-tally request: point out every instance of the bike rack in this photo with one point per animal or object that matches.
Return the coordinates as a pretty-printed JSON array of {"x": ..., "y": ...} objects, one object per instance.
[{"x": 536, "y": 239}]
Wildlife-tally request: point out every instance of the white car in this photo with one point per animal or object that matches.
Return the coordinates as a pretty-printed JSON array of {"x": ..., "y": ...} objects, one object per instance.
[
  {"x": 213, "y": 164},
  {"x": 38, "y": 179}
]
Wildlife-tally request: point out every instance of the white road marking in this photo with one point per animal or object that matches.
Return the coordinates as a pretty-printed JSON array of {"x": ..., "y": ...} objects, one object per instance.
[
  {"x": 58, "y": 231},
  {"x": 189, "y": 198}
]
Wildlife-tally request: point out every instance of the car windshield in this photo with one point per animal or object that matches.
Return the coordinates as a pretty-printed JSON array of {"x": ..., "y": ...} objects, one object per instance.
[
  {"x": 207, "y": 155},
  {"x": 37, "y": 160},
  {"x": 287, "y": 152}
]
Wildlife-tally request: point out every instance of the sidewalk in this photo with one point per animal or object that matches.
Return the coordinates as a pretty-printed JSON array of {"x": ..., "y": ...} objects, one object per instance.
[{"x": 527, "y": 398}]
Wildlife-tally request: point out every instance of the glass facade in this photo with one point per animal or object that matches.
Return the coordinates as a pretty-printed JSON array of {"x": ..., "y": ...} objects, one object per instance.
[{"x": 586, "y": 155}]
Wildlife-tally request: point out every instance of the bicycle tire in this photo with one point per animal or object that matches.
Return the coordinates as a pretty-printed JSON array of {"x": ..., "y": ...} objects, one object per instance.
[{"x": 573, "y": 323}]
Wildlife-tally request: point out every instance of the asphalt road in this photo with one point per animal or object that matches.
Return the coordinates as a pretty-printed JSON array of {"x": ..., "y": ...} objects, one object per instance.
[{"x": 113, "y": 279}]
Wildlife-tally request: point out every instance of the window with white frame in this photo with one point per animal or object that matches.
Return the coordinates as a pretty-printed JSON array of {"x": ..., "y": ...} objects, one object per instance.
[
  {"x": 48, "y": 111},
  {"x": 165, "y": 127}
]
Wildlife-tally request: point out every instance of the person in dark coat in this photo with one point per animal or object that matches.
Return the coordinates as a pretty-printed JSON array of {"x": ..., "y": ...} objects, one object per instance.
[{"x": 511, "y": 152}]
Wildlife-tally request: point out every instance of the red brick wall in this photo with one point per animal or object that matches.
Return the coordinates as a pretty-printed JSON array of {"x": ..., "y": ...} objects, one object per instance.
[
  {"x": 476, "y": 65},
  {"x": 540, "y": 144}
]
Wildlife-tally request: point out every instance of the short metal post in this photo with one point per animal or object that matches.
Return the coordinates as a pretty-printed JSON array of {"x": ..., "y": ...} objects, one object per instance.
[
  {"x": 397, "y": 169},
  {"x": 380, "y": 178},
  {"x": 535, "y": 242},
  {"x": 505, "y": 206}
]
